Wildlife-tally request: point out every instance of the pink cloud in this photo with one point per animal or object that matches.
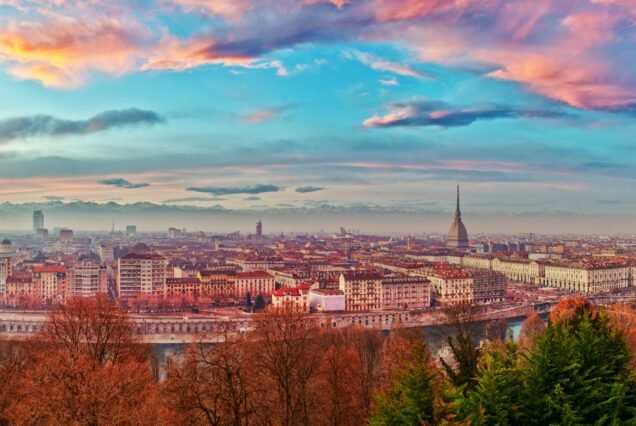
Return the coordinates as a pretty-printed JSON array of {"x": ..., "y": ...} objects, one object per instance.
[{"x": 64, "y": 53}]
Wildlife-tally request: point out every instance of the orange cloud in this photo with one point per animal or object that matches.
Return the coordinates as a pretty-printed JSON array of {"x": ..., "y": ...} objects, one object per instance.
[
  {"x": 175, "y": 54},
  {"x": 62, "y": 54}
]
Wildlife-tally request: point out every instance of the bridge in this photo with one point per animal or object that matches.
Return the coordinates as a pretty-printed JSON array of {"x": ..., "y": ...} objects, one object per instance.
[{"x": 164, "y": 328}]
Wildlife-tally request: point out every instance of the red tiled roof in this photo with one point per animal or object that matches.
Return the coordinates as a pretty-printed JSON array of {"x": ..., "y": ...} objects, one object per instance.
[
  {"x": 255, "y": 274},
  {"x": 289, "y": 291},
  {"x": 53, "y": 268},
  {"x": 145, "y": 256}
]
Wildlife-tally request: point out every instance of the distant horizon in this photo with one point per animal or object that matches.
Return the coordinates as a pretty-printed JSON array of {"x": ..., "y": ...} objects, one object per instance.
[{"x": 153, "y": 217}]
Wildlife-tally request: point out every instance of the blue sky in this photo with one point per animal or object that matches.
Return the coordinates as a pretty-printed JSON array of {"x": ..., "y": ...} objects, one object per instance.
[{"x": 366, "y": 102}]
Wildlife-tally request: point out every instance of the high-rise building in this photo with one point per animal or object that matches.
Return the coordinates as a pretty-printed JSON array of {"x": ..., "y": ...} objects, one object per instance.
[
  {"x": 259, "y": 229},
  {"x": 38, "y": 220},
  {"x": 174, "y": 233},
  {"x": 66, "y": 235},
  {"x": 131, "y": 230},
  {"x": 5, "y": 264},
  {"x": 88, "y": 278},
  {"x": 457, "y": 235},
  {"x": 141, "y": 273}
]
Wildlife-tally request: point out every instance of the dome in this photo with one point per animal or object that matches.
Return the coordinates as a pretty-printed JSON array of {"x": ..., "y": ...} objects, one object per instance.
[
  {"x": 457, "y": 235},
  {"x": 5, "y": 242}
]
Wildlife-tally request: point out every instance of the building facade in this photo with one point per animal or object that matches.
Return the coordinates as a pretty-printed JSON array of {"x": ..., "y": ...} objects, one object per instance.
[{"x": 141, "y": 274}]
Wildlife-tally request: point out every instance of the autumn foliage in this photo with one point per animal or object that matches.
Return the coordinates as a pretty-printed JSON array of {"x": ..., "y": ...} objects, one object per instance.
[{"x": 87, "y": 367}]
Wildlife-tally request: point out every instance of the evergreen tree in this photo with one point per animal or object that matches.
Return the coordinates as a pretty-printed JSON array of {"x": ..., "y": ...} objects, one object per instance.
[
  {"x": 411, "y": 397},
  {"x": 497, "y": 397},
  {"x": 578, "y": 373},
  {"x": 259, "y": 303},
  {"x": 248, "y": 300}
]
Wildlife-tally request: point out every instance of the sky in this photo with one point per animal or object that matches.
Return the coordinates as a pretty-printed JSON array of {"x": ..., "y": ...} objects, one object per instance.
[{"x": 304, "y": 106}]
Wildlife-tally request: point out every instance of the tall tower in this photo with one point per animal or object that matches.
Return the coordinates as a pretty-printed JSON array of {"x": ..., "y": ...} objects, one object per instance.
[
  {"x": 259, "y": 228},
  {"x": 38, "y": 220},
  {"x": 457, "y": 235}
]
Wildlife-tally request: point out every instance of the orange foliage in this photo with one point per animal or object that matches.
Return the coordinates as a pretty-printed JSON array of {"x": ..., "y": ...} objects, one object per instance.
[{"x": 571, "y": 308}]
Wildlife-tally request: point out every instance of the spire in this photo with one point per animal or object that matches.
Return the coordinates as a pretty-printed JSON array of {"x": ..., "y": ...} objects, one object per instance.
[{"x": 458, "y": 213}]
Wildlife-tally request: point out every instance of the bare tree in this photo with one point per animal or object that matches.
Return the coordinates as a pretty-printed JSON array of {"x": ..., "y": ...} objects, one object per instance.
[{"x": 284, "y": 361}]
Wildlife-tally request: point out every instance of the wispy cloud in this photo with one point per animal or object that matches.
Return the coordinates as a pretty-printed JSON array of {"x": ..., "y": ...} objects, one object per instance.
[
  {"x": 53, "y": 198},
  {"x": 193, "y": 199},
  {"x": 252, "y": 198},
  {"x": 389, "y": 81},
  {"x": 307, "y": 189},
  {"x": 422, "y": 113},
  {"x": 380, "y": 64},
  {"x": 46, "y": 125},
  {"x": 225, "y": 190},
  {"x": 266, "y": 114},
  {"x": 123, "y": 183}
]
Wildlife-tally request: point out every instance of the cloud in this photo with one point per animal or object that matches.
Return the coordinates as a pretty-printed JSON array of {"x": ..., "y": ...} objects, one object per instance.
[
  {"x": 53, "y": 198},
  {"x": 230, "y": 9},
  {"x": 46, "y": 125},
  {"x": 123, "y": 183},
  {"x": 61, "y": 53},
  {"x": 252, "y": 198},
  {"x": 193, "y": 199},
  {"x": 389, "y": 81},
  {"x": 435, "y": 113},
  {"x": 380, "y": 64},
  {"x": 308, "y": 189},
  {"x": 223, "y": 190},
  {"x": 266, "y": 114}
]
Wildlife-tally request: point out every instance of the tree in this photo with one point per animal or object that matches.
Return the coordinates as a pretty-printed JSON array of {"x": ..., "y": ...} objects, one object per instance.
[
  {"x": 248, "y": 300},
  {"x": 283, "y": 362},
  {"x": 209, "y": 385},
  {"x": 339, "y": 383},
  {"x": 415, "y": 386},
  {"x": 368, "y": 344},
  {"x": 13, "y": 362},
  {"x": 496, "y": 329},
  {"x": 577, "y": 371},
  {"x": 85, "y": 369},
  {"x": 259, "y": 303},
  {"x": 497, "y": 397},
  {"x": 532, "y": 328},
  {"x": 463, "y": 344}
]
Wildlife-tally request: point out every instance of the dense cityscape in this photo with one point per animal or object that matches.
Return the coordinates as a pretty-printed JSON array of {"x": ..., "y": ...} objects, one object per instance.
[{"x": 179, "y": 283}]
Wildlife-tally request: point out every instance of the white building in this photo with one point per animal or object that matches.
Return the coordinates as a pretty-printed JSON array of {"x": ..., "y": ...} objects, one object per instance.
[
  {"x": 326, "y": 300},
  {"x": 296, "y": 298}
]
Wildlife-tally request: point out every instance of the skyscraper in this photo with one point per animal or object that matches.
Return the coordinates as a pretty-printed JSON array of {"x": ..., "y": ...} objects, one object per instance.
[
  {"x": 38, "y": 220},
  {"x": 457, "y": 235},
  {"x": 259, "y": 228}
]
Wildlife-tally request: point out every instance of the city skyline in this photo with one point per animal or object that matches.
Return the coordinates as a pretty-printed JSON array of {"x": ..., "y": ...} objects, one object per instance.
[{"x": 362, "y": 106}]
